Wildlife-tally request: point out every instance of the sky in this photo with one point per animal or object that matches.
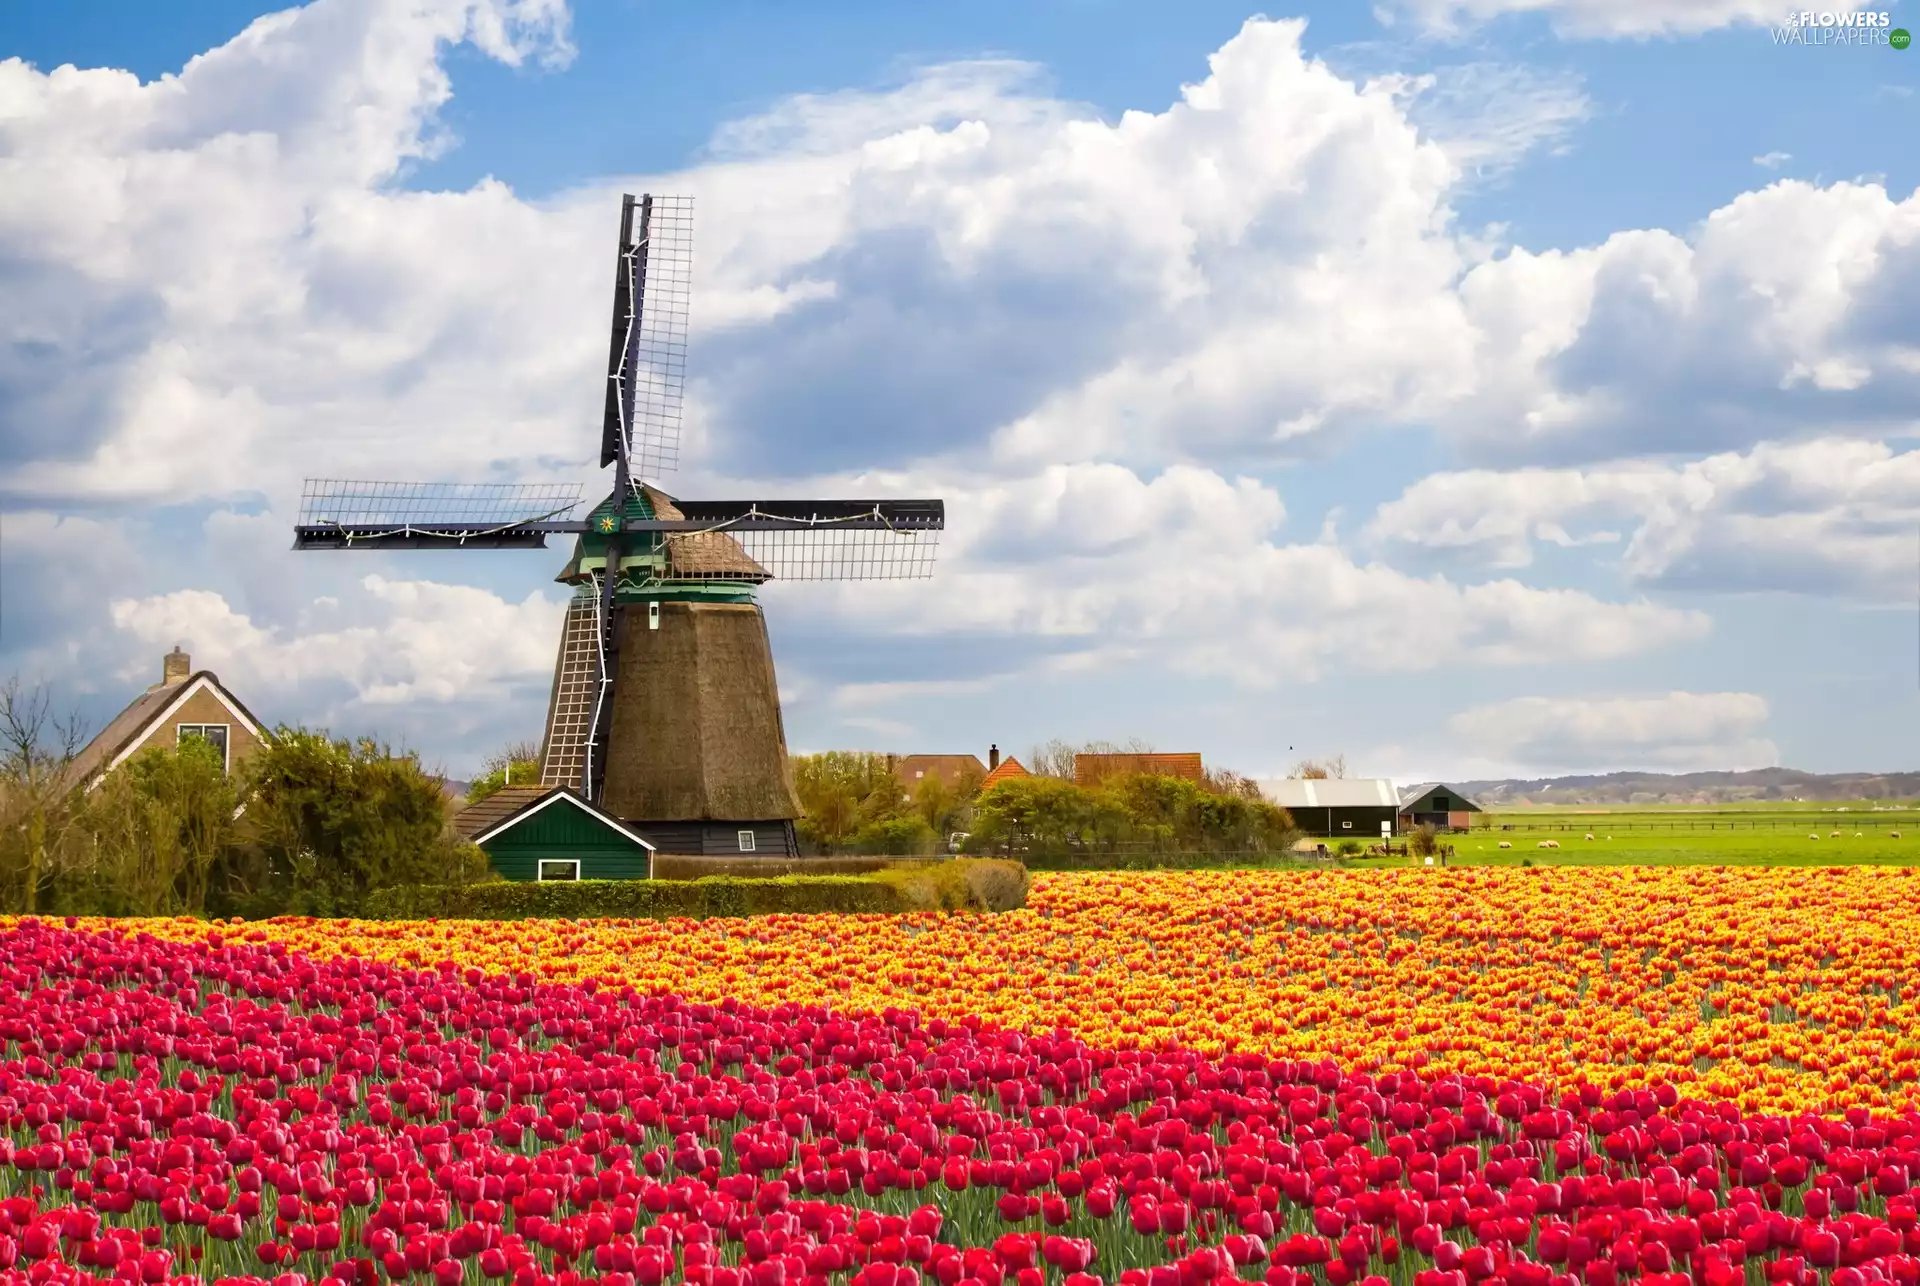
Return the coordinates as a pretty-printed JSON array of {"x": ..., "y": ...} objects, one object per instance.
[{"x": 1468, "y": 387}]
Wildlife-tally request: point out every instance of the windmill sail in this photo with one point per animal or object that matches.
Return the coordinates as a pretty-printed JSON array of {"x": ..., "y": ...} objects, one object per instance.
[
  {"x": 655, "y": 265},
  {"x": 340, "y": 514}
]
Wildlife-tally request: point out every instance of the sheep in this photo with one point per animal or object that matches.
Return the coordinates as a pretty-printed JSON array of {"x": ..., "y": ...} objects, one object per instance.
[
  {"x": 1506, "y": 843},
  {"x": 1549, "y": 843},
  {"x": 1811, "y": 835},
  {"x": 1835, "y": 835},
  {"x": 1589, "y": 834},
  {"x": 1895, "y": 835}
]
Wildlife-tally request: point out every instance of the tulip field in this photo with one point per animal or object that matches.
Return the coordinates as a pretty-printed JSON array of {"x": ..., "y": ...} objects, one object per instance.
[{"x": 1548, "y": 1077}]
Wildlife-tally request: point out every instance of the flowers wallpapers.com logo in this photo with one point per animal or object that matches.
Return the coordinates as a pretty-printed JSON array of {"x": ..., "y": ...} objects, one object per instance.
[{"x": 1845, "y": 28}]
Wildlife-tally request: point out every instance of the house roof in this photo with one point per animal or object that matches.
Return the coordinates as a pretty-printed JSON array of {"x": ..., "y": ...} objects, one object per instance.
[
  {"x": 951, "y": 769},
  {"x": 128, "y": 731},
  {"x": 1008, "y": 769},
  {"x": 1412, "y": 795},
  {"x": 1333, "y": 792},
  {"x": 509, "y": 806},
  {"x": 497, "y": 807},
  {"x": 1091, "y": 769}
]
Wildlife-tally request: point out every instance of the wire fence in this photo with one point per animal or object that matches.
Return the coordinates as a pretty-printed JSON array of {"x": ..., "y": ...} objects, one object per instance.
[{"x": 1813, "y": 821}]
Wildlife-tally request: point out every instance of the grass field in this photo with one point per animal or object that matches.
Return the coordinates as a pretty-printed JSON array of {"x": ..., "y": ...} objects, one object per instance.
[{"x": 1719, "y": 835}]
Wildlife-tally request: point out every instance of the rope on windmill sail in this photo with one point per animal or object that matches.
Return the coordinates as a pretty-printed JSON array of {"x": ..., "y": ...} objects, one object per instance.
[
  {"x": 626, "y": 345},
  {"x": 600, "y": 696},
  {"x": 813, "y": 523},
  {"x": 409, "y": 530}
]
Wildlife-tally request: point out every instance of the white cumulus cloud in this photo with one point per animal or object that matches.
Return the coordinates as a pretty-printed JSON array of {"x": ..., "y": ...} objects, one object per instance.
[
  {"x": 1828, "y": 517},
  {"x": 1591, "y": 18},
  {"x": 1672, "y": 731}
]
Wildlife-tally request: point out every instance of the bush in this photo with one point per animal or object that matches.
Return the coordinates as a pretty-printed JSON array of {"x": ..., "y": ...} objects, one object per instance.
[
  {"x": 905, "y": 836},
  {"x": 1424, "y": 840},
  {"x": 947, "y": 886},
  {"x": 156, "y": 835},
  {"x": 1049, "y": 817},
  {"x": 329, "y": 822}
]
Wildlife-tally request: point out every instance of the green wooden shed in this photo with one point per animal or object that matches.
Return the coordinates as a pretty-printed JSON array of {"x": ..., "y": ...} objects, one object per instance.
[{"x": 550, "y": 833}]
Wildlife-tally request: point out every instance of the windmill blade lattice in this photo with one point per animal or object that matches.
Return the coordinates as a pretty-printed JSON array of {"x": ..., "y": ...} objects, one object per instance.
[
  {"x": 338, "y": 513},
  {"x": 819, "y": 554},
  {"x": 655, "y": 263}
]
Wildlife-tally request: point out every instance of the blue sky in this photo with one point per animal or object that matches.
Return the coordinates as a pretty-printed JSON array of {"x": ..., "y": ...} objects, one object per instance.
[{"x": 1468, "y": 386}]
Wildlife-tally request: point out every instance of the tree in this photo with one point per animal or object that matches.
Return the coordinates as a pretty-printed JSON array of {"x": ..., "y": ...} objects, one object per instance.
[
  {"x": 36, "y": 756},
  {"x": 896, "y": 836},
  {"x": 1225, "y": 781},
  {"x": 1321, "y": 769},
  {"x": 515, "y": 764},
  {"x": 1055, "y": 759},
  {"x": 159, "y": 828},
  {"x": 327, "y": 822},
  {"x": 945, "y": 806},
  {"x": 1044, "y": 816},
  {"x": 841, "y": 792},
  {"x": 1041, "y": 815}
]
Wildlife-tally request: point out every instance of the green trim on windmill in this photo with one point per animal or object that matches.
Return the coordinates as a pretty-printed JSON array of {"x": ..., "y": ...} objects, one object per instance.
[{"x": 643, "y": 561}]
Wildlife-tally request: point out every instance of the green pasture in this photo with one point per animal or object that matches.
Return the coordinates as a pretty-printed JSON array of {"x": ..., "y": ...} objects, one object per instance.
[{"x": 1718, "y": 835}]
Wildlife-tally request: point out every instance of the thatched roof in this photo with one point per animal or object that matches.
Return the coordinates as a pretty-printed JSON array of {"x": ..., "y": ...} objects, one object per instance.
[
  {"x": 696, "y": 732},
  {"x": 147, "y": 712},
  {"x": 482, "y": 816},
  {"x": 696, "y": 555}
]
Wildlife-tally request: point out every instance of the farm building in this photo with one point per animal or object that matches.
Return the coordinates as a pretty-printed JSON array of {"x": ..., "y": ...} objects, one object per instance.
[
  {"x": 1091, "y": 770},
  {"x": 1436, "y": 804},
  {"x": 1338, "y": 808},
  {"x": 550, "y": 833},
  {"x": 185, "y": 703}
]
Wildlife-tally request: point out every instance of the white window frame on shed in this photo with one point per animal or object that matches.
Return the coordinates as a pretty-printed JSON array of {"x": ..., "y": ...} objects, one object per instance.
[
  {"x": 746, "y": 841},
  {"x": 182, "y": 730},
  {"x": 541, "y": 865}
]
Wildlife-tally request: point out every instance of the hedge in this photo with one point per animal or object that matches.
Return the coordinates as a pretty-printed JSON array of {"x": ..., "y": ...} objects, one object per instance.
[
  {"x": 965, "y": 885},
  {"x": 1285, "y": 858},
  {"x": 671, "y": 866}
]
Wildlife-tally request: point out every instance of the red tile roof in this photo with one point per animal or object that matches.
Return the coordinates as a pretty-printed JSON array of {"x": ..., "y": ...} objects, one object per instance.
[
  {"x": 954, "y": 770},
  {"x": 1091, "y": 770},
  {"x": 1009, "y": 768}
]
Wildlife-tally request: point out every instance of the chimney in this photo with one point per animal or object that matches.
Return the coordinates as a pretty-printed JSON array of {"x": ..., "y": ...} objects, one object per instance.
[
  {"x": 175, "y": 668},
  {"x": 993, "y": 757}
]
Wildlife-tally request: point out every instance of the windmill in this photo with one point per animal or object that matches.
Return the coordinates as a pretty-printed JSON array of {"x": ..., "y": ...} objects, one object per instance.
[{"x": 664, "y": 709}]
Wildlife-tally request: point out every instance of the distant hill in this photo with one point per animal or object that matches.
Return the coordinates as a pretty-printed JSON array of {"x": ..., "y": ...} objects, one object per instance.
[{"x": 1783, "y": 784}]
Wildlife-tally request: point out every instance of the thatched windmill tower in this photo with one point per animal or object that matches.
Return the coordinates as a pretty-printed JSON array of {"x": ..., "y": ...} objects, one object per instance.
[{"x": 664, "y": 708}]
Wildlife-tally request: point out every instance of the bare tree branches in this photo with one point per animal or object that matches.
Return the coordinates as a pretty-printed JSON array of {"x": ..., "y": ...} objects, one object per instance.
[
  {"x": 1334, "y": 767},
  {"x": 1055, "y": 759},
  {"x": 36, "y": 750}
]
